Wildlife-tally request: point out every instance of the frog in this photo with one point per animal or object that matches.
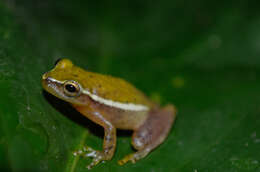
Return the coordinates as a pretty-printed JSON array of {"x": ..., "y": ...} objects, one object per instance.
[{"x": 112, "y": 103}]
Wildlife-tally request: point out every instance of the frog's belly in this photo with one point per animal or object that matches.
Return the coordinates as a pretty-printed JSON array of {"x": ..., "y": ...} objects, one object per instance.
[{"x": 122, "y": 119}]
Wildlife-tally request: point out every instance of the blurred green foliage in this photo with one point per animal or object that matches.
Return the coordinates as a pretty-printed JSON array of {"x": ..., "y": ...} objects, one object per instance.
[{"x": 203, "y": 56}]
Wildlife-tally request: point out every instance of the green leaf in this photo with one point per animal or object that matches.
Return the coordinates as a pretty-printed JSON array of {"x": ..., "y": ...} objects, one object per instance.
[{"x": 202, "y": 56}]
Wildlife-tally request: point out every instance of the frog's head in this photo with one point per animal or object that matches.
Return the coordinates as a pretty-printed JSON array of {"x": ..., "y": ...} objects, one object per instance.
[{"x": 63, "y": 81}]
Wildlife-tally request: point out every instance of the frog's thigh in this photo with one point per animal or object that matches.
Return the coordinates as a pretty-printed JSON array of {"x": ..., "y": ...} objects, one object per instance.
[{"x": 155, "y": 129}]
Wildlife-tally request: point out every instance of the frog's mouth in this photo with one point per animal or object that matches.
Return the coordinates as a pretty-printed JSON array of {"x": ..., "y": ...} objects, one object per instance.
[{"x": 53, "y": 86}]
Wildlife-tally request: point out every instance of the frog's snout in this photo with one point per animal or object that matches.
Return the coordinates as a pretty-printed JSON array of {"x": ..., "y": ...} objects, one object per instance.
[
  {"x": 46, "y": 80},
  {"x": 45, "y": 76}
]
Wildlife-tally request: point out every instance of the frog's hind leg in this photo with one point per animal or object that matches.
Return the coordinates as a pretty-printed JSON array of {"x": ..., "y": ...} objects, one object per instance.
[{"x": 152, "y": 133}]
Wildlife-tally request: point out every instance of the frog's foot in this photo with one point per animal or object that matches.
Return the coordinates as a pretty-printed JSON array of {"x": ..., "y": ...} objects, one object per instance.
[
  {"x": 97, "y": 156},
  {"x": 134, "y": 156}
]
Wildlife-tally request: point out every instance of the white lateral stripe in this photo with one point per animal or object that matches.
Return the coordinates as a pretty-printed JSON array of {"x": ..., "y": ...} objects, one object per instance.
[
  {"x": 54, "y": 80},
  {"x": 124, "y": 106}
]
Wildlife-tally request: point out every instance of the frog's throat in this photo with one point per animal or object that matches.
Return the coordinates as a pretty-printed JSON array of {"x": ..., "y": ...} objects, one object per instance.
[{"x": 111, "y": 103}]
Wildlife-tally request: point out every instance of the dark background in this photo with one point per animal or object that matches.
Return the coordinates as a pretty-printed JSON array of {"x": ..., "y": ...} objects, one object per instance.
[{"x": 203, "y": 56}]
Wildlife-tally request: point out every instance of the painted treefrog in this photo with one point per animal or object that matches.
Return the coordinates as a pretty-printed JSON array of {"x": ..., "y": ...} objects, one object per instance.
[{"x": 114, "y": 104}]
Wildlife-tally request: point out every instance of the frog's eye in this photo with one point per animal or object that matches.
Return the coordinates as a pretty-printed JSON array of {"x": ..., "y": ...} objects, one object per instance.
[{"x": 71, "y": 88}]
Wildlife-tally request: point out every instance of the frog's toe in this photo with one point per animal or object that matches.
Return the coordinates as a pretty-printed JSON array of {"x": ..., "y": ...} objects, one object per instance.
[
  {"x": 89, "y": 152},
  {"x": 97, "y": 156},
  {"x": 134, "y": 156},
  {"x": 131, "y": 157},
  {"x": 82, "y": 152},
  {"x": 97, "y": 159}
]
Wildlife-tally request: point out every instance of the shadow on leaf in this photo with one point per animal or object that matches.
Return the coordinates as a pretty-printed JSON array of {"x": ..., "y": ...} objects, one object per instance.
[{"x": 67, "y": 110}]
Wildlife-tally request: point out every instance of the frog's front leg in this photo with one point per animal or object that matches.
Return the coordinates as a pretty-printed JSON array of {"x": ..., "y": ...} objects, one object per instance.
[
  {"x": 152, "y": 133},
  {"x": 109, "y": 143}
]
